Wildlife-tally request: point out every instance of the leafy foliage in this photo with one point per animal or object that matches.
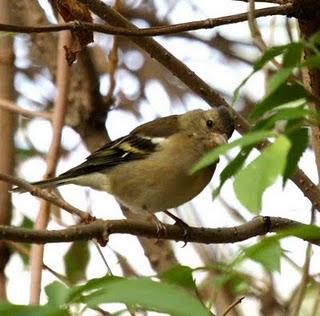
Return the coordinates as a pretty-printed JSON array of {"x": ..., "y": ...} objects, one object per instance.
[
  {"x": 283, "y": 105},
  {"x": 76, "y": 260}
]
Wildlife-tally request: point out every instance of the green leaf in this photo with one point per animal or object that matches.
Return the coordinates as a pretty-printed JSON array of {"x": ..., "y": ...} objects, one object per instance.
[
  {"x": 269, "y": 55},
  {"x": 302, "y": 232},
  {"x": 57, "y": 293},
  {"x": 299, "y": 140},
  {"x": 265, "y": 58},
  {"x": 292, "y": 55},
  {"x": 266, "y": 252},
  {"x": 237, "y": 90},
  {"x": 212, "y": 156},
  {"x": 285, "y": 94},
  {"x": 26, "y": 223},
  {"x": 278, "y": 79},
  {"x": 315, "y": 38},
  {"x": 232, "y": 168},
  {"x": 76, "y": 260},
  {"x": 251, "y": 182},
  {"x": 312, "y": 61},
  {"x": 141, "y": 292},
  {"x": 31, "y": 310},
  {"x": 287, "y": 114},
  {"x": 179, "y": 275}
]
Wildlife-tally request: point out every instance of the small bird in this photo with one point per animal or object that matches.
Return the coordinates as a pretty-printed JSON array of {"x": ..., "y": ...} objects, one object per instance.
[{"x": 149, "y": 169}]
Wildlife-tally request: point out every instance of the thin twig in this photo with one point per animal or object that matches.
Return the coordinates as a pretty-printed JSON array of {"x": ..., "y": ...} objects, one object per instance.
[
  {"x": 268, "y": 1},
  {"x": 295, "y": 306},
  {"x": 25, "y": 252},
  {"x": 13, "y": 107},
  {"x": 255, "y": 32},
  {"x": 46, "y": 195},
  {"x": 59, "y": 110},
  {"x": 315, "y": 307},
  {"x": 152, "y": 31},
  {"x": 233, "y": 305}
]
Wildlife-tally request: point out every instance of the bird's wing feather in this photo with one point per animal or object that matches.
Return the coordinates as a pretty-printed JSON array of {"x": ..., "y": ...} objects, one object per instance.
[
  {"x": 124, "y": 149},
  {"x": 141, "y": 142}
]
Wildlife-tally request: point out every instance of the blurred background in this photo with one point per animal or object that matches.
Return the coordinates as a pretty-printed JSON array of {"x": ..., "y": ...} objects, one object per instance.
[{"x": 113, "y": 87}]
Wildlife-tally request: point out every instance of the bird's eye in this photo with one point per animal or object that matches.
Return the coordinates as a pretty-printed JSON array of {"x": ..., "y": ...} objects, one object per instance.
[{"x": 209, "y": 123}]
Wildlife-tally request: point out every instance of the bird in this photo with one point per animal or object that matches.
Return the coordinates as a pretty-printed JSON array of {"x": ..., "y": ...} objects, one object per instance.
[{"x": 148, "y": 170}]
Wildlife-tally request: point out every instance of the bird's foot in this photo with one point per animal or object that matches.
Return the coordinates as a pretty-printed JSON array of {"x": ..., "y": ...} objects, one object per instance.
[
  {"x": 184, "y": 226},
  {"x": 161, "y": 228}
]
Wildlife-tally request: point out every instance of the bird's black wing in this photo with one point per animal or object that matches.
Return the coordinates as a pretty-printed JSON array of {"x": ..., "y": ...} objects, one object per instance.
[{"x": 124, "y": 149}]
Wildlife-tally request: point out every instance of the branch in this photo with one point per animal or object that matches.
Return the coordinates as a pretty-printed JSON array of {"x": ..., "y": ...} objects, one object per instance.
[
  {"x": 58, "y": 116},
  {"x": 13, "y": 107},
  {"x": 151, "y": 31},
  {"x": 259, "y": 225},
  {"x": 267, "y": 1},
  {"x": 195, "y": 83},
  {"x": 48, "y": 196}
]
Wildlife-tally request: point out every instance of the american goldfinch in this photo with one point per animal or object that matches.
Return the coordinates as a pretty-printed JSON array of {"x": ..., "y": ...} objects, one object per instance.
[{"x": 149, "y": 169}]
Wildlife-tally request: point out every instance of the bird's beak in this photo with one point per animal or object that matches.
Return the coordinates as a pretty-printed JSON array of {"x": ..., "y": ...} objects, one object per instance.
[{"x": 220, "y": 139}]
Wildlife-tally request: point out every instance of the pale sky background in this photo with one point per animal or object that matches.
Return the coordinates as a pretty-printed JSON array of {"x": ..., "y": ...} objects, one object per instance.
[{"x": 213, "y": 69}]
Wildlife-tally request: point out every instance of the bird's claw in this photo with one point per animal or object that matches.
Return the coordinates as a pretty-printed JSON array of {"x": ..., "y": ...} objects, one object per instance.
[{"x": 184, "y": 227}]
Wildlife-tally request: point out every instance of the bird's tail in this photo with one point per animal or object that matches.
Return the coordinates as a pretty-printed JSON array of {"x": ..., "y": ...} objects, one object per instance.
[{"x": 50, "y": 183}]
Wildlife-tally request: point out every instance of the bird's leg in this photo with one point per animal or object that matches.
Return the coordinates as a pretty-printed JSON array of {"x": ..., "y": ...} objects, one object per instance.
[
  {"x": 179, "y": 222},
  {"x": 161, "y": 228}
]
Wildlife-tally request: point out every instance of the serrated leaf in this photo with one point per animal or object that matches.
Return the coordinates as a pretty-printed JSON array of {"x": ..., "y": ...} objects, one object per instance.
[
  {"x": 57, "y": 293},
  {"x": 141, "y": 292},
  {"x": 299, "y": 140},
  {"x": 76, "y": 260},
  {"x": 285, "y": 94},
  {"x": 179, "y": 275},
  {"x": 246, "y": 140},
  {"x": 252, "y": 181}
]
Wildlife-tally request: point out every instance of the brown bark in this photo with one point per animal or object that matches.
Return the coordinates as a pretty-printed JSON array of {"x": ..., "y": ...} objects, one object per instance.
[{"x": 7, "y": 128}]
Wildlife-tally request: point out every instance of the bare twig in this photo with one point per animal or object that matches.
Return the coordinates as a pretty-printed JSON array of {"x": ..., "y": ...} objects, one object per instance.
[
  {"x": 268, "y": 1},
  {"x": 259, "y": 225},
  {"x": 48, "y": 196},
  {"x": 296, "y": 303},
  {"x": 13, "y": 107},
  {"x": 315, "y": 307},
  {"x": 255, "y": 32},
  {"x": 63, "y": 71},
  {"x": 25, "y": 252},
  {"x": 7, "y": 130},
  {"x": 152, "y": 31},
  {"x": 233, "y": 305}
]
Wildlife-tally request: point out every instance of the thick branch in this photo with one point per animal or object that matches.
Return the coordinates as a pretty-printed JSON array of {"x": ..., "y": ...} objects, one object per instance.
[{"x": 259, "y": 225}]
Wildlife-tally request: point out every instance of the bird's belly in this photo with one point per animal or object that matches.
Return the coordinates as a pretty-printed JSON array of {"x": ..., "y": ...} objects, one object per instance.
[{"x": 147, "y": 191}]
